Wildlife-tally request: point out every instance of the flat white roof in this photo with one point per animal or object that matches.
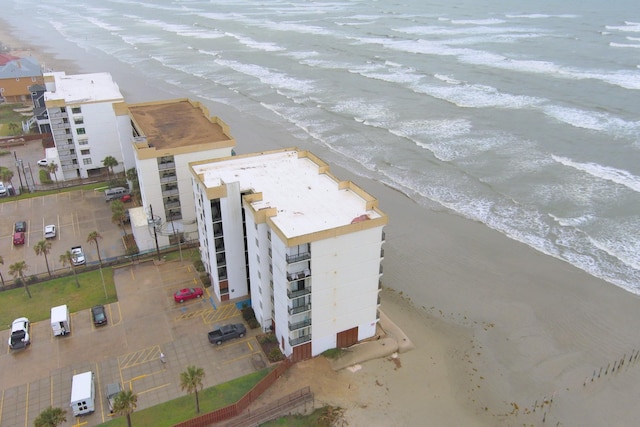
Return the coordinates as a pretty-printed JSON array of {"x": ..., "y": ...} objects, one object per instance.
[
  {"x": 83, "y": 88},
  {"x": 306, "y": 200}
]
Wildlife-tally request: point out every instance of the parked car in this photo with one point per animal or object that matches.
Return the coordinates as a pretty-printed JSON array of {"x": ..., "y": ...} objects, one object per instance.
[
  {"x": 99, "y": 315},
  {"x": 19, "y": 334},
  {"x": 3, "y": 190},
  {"x": 43, "y": 162},
  {"x": 126, "y": 198},
  {"x": 49, "y": 231},
  {"x": 20, "y": 226},
  {"x": 112, "y": 391},
  {"x": 18, "y": 238},
  {"x": 226, "y": 333},
  {"x": 77, "y": 256},
  {"x": 188, "y": 293}
]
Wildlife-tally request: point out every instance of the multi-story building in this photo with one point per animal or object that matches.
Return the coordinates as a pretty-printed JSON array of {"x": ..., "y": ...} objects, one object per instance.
[
  {"x": 82, "y": 118},
  {"x": 165, "y": 137},
  {"x": 279, "y": 228}
]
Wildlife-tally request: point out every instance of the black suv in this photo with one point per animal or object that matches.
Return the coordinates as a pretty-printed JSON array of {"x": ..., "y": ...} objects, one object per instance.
[{"x": 21, "y": 226}]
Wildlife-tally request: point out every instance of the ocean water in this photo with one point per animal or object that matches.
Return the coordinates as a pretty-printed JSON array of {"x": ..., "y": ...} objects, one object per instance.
[{"x": 523, "y": 116}]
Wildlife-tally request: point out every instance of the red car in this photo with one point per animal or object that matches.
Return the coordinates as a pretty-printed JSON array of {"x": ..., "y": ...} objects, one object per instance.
[
  {"x": 188, "y": 293},
  {"x": 18, "y": 238},
  {"x": 126, "y": 198}
]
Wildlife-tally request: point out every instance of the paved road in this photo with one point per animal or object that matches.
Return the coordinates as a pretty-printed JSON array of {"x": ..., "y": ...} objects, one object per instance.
[{"x": 142, "y": 324}]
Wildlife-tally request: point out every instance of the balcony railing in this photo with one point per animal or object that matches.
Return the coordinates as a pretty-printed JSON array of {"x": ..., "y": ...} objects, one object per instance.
[
  {"x": 300, "y": 309},
  {"x": 298, "y": 293},
  {"x": 300, "y": 340},
  {"x": 298, "y": 257},
  {"x": 299, "y": 275},
  {"x": 168, "y": 165},
  {"x": 299, "y": 325},
  {"x": 383, "y": 236}
]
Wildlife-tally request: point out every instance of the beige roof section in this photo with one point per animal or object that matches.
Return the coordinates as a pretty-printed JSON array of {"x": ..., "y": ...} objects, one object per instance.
[
  {"x": 298, "y": 188},
  {"x": 167, "y": 125}
]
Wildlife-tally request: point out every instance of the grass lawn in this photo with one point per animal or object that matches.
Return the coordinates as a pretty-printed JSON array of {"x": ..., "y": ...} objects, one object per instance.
[
  {"x": 184, "y": 408},
  {"x": 15, "y": 303},
  {"x": 26, "y": 195}
]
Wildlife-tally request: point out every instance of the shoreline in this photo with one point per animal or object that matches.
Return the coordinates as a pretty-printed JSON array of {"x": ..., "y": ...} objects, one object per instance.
[{"x": 503, "y": 334}]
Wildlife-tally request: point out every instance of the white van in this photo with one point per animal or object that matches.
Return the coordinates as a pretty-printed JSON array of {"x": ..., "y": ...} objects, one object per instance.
[
  {"x": 82, "y": 394},
  {"x": 60, "y": 320},
  {"x": 3, "y": 189},
  {"x": 114, "y": 193}
]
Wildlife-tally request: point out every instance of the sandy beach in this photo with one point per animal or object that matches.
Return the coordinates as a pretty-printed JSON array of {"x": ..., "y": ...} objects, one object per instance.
[{"x": 504, "y": 335}]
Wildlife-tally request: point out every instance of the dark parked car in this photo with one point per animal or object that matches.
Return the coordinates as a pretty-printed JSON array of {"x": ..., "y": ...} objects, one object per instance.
[
  {"x": 98, "y": 315},
  {"x": 21, "y": 226},
  {"x": 188, "y": 293}
]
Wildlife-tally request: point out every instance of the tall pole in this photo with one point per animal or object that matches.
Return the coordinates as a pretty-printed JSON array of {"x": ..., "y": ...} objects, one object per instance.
[
  {"x": 176, "y": 236},
  {"x": 18, "y": 168},
  {"x": 155, "y": 231}
]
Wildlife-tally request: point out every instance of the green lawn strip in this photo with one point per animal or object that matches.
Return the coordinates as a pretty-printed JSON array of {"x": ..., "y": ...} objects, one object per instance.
[
  {"x": 184, "y": 407},
  {"x": 15, "y": 303},
  {"x": 25, "y": 195}
]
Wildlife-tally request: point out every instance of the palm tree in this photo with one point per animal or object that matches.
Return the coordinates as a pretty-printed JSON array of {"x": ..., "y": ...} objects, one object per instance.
[
  {"x": 190, "y": 380},
  {"x": 132, "y": 177},
  {"x": 118, "y": 213},
  {"x": 1, "y": 276},
  {"x": 51, "y": 417},
  {"x": 43, "y": 247},
  {"x": 52, "y": 168},
  {"x": 93, "y": 237},
  {"x": 67, "y": 259},
  {"x": 125, "y": 403},
  {"x": 6, "y": 175},
  {"x": 109, "y": 163},
  {"x": 17, "y": 270}
]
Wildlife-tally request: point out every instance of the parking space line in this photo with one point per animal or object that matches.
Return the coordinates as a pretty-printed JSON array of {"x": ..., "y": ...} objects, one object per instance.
[
  {"x": 1, "y": 406},
  {"x": 244, "y": 356},
  {"x": 139, "y": 357},
  {"x": 153, "y": 389},
  {"x": 51, "y": 389},
  {"x": 78, "y": 423},
  {"x": 26, "y": 408},
  {"x": 99, "y": 391}
]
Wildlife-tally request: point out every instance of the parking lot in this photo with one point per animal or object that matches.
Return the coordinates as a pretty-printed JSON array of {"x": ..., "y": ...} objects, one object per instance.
[{"x": 142, "y": 324}]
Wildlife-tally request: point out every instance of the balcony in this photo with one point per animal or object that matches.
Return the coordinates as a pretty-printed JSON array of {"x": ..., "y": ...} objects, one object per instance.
[
  {"x": 299, "y": 275},
  {"x": 168, "y": 178},
  {"x": 298, "y": 257},
  {"x": 300, "y": 340},
  {"x": 384, "y": 236},
  {"x": 299, "y": 325},
  {"x": 298, "y": 293},
  {"x": 166, "y": 165},
  {"x": 170, "y": 190},
  {"x": 300, "y": 309}
]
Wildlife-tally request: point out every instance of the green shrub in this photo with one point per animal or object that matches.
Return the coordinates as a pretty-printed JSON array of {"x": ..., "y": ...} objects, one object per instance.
[
  {"x": 253, "y": 323},
  {"x": 248, "y": 313},
  {"x": 44, "y": 177},
  {"x": 267, "y": 338},
  {"x": 275, "y": 355},
  {"x": 206, "y": 280},
  {"x": 199, "y": 266}
]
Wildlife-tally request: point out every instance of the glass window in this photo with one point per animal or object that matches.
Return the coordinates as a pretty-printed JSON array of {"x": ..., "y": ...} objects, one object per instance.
[
  {"x": 85, "y": 152},
  {"x": 87, "y": 161},
  {"x": 76, "y": 110},
  {"x": 81, "y": 131}
]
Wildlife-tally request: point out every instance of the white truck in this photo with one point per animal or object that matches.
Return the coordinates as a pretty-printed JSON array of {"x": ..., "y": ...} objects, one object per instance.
[
  {"x": 77, "y": 256},
  {"x": 83, "y": 394},
  {"x": 60, "y": 320}
]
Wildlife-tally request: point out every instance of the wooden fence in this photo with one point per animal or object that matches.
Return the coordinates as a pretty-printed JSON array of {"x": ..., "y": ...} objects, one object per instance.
[{"x": 236, "y": 409}]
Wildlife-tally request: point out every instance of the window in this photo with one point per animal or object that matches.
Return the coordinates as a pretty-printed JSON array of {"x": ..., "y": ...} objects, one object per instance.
[
  {"x": 63, "y": 109},
  {"x": 83, "y": 141},
  {"x": 87, "y": 161},
  {"x": 78, "y": 120},
  {"x": 85, "y": 152},
  {"x": 80, "y": 131},
  {"x": 76, "y": 110}
]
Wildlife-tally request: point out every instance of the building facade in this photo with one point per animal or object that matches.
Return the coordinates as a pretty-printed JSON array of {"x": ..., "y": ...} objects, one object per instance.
[
  {"x": 16, "y": 75},
  {"x": 82, "y": 119},
  {"x": 306, "y": 248},
  {"x": 164, "y": 137}
]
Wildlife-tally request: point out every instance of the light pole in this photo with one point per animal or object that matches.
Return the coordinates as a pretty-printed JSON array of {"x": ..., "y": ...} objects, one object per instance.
[
  {"x": 178, "y": 237},
  {"x": 18, "y": 168},
  {"x": 155, "y": 231}
]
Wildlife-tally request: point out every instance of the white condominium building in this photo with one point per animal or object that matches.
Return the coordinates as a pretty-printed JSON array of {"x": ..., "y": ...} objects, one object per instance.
[
  {"x": 82, "y": 119},
  {"x": 279, "y": 228}
]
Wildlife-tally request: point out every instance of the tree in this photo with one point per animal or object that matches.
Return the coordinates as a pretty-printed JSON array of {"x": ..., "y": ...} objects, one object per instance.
[
  {"x": 52, "y": 168},
  {"x": 17, "y": 270},
  {"x": 109, "y": 162},
  {"x": 6, "y": 175},
  {"x": 43, "y": 247},
  {"x": 93, "y": 237},
  {"x": 132, "y": 177},
  {"x": 1, "y": 276},
  {"x": 125, "y": 403},
  {"x": 51, "y": 417},
  {"x": 118, "y": 213},
  {"x": 67, "y": 259},
  {"x": 190, "y": 380}
]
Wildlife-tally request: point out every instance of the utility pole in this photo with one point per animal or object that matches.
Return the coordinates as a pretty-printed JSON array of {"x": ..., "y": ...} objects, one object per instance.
[
  {"x": 15, "y": 156},
  {"x": 155, "y": 231}
]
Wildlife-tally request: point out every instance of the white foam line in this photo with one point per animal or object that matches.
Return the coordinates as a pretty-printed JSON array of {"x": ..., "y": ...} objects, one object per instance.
[{"x": 608, "y": 173}]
